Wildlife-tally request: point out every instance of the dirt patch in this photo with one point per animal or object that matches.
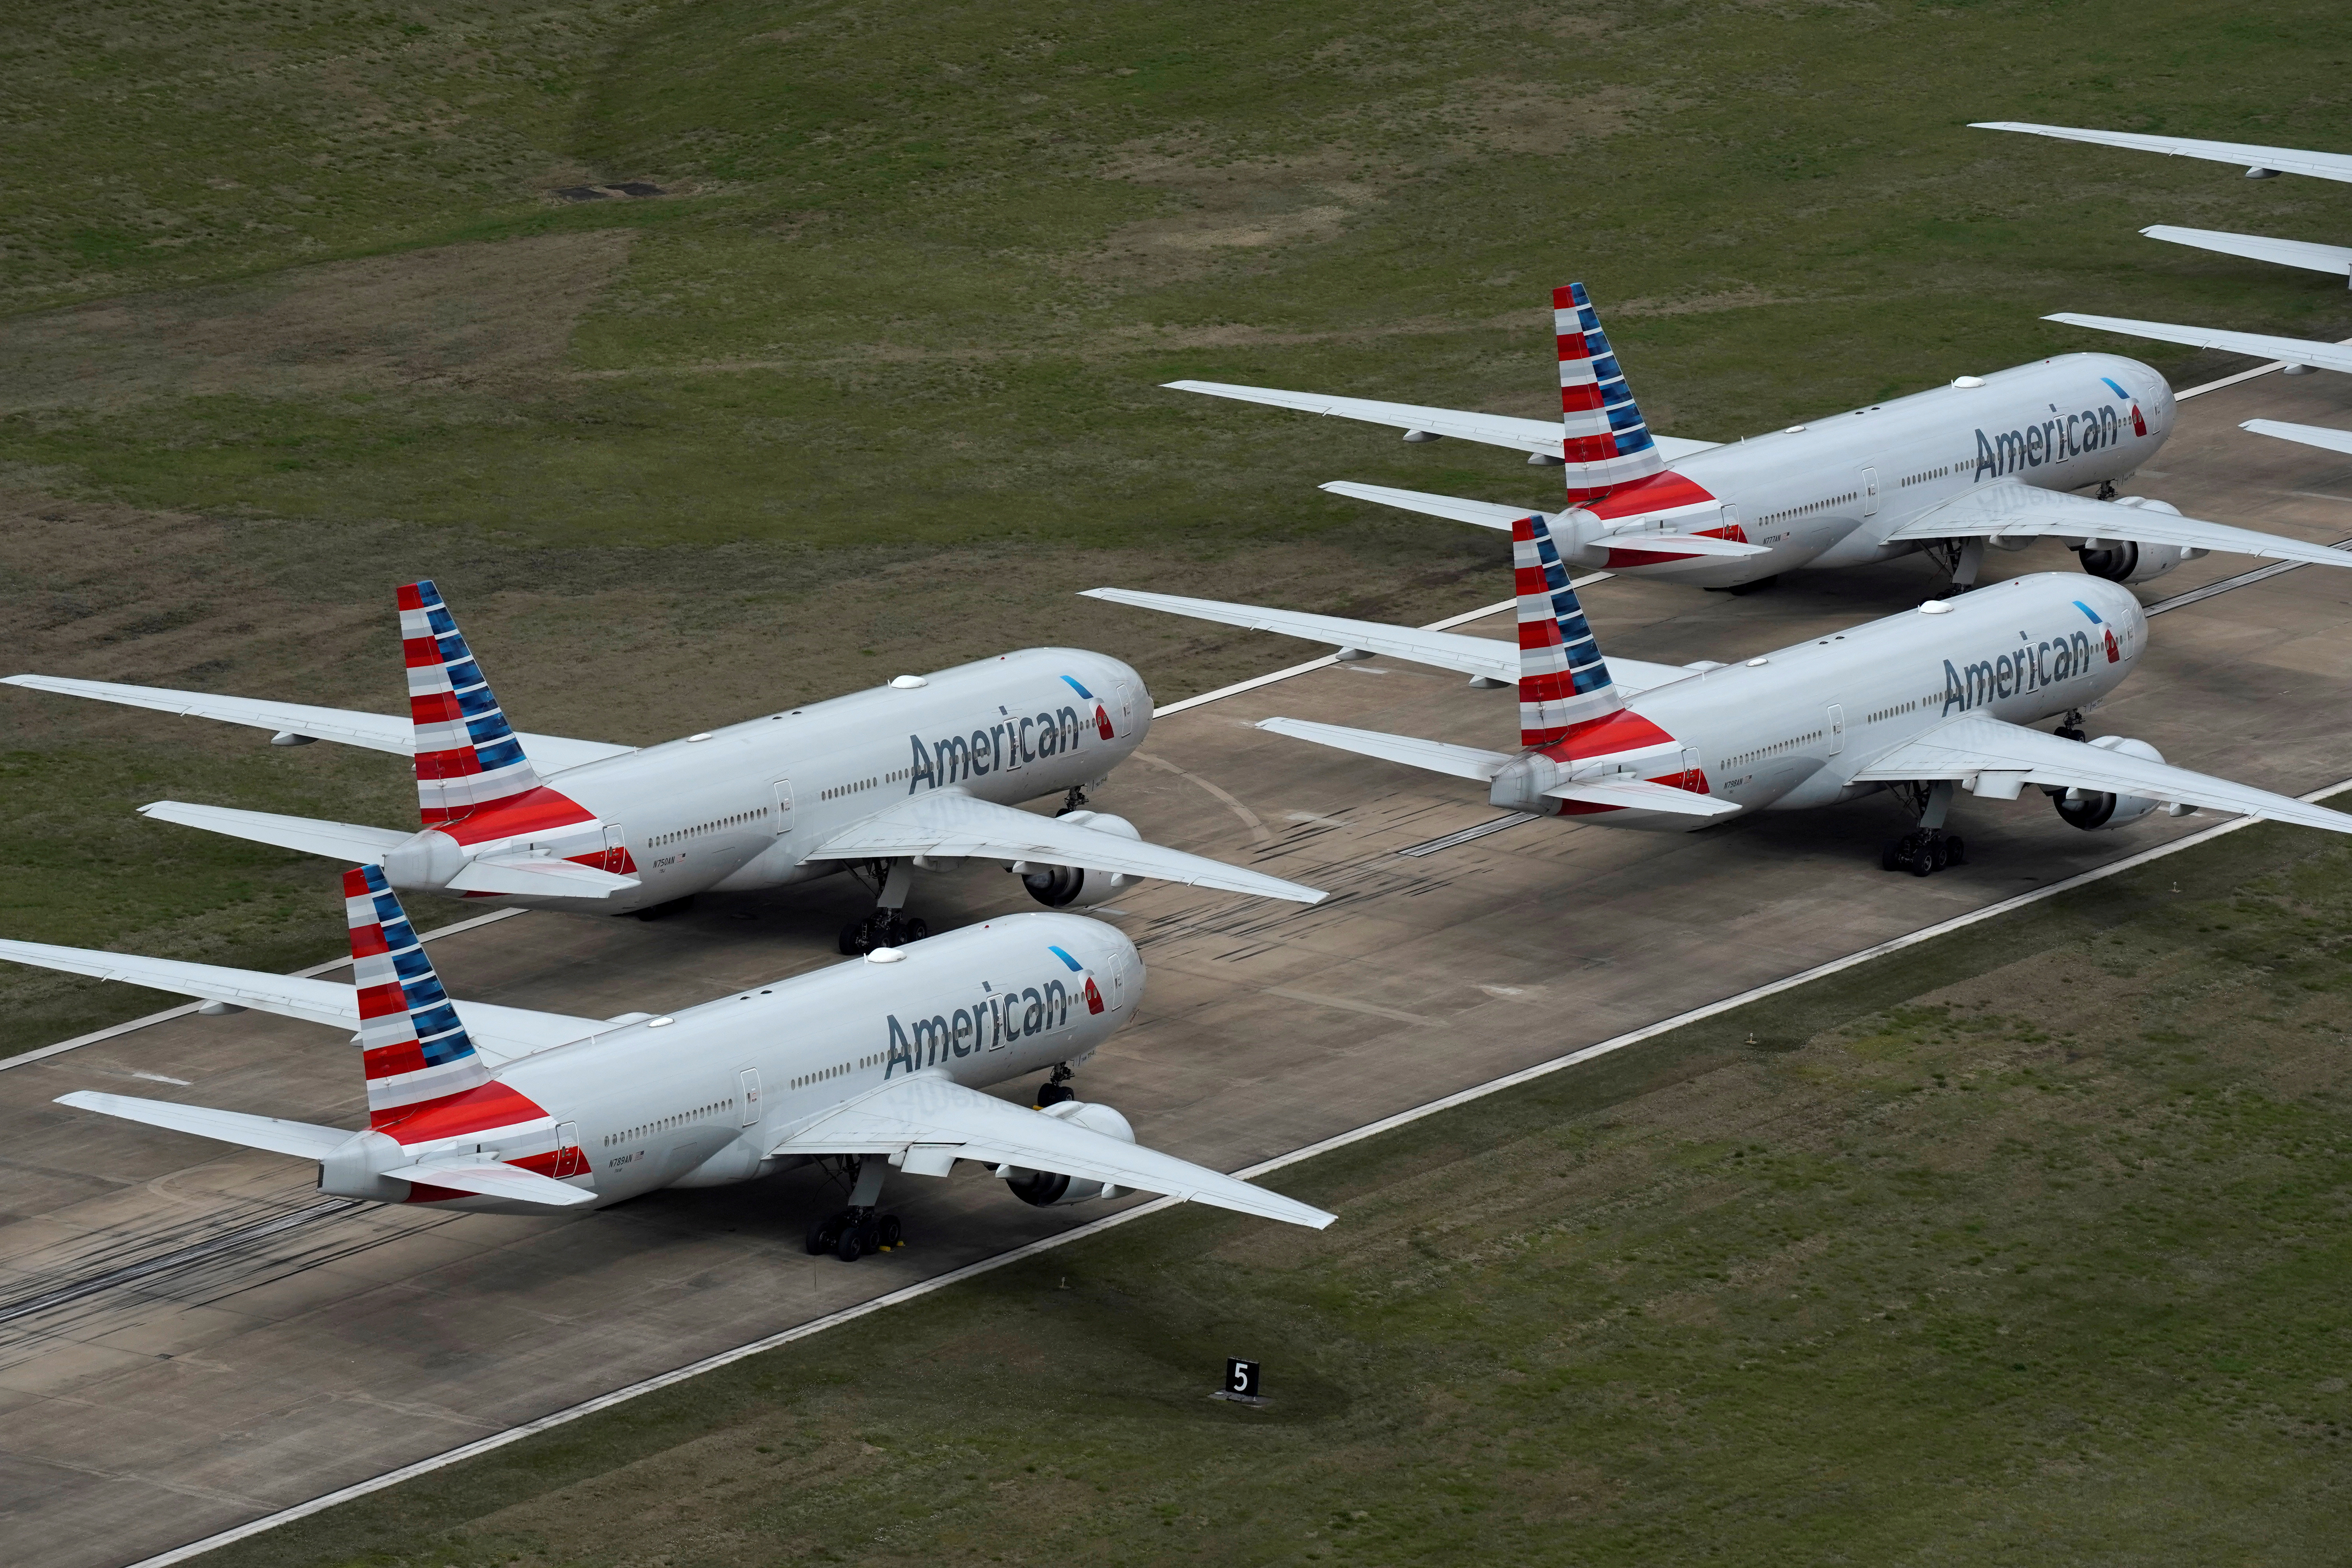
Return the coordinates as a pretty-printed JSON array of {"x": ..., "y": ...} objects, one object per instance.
[
  {"x": 1219, "y": 208},
  {"x": 1547, "y": 117},
  {"x": 454, "y": 315}
]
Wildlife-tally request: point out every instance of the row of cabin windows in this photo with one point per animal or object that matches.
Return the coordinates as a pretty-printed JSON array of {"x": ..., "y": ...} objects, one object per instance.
[
  {"x": 1811, "y": 506},
  {"x": 1902, "y": 707},
  {"x": 738, "y": 820},
  {"x": 700, "y": 1113},
  {"x": 1775, "y": 749},
  {"x": 838, "y": 791},
  {"x": 824, "y": 1073},
  {"x": 1922, "y": 478}
]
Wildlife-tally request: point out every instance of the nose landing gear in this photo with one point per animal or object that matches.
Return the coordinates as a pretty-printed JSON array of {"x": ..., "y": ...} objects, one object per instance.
[{"x": 1055, "y": 1089}]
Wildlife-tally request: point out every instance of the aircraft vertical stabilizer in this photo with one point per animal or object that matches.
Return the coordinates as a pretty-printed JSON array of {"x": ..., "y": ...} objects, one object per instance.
[
  {"x": 1605, "y": 440},
  {"x": 467, "y": 756},
  {"x": 415, "y": 1050},
  {"x": 1563, "y": 680}
]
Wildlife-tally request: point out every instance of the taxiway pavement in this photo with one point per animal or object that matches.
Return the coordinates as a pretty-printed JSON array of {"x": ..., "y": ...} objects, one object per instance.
[{"x": 190, "y": 1337}]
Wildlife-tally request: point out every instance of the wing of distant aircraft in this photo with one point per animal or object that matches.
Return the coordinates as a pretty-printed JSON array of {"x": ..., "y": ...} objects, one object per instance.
[
  {"x": 2008, "y": 509},
  {"x": 947, "y": 824},
  {"x": 2318, "y": 257},
  {"x": 2006, "y": 756},
  {"x": 376, "y": 732},
  {"x": 1495, "y": 515},
  {"x": 1540, "y": 437},
  {"x": 928, "y": 1121},
  {"x": 2309, "y": 434},
  {"x": 2273, "y": 160},
  {"x": 2260, "y": 345},
  {"x": 503, "y": 1033},
  {"x": 1486, "y": 658}
]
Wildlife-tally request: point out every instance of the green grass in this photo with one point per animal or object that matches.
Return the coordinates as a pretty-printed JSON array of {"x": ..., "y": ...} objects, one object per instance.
[{"x": 2026, "y": 1246}]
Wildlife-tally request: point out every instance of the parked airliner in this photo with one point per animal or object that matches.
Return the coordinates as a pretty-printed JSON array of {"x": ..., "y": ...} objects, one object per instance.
[
  {"x": 868, "y": 1066},
  {"x": 919, "y": 774},
  {"x": 1988, "y": 459},
  {"x": 2259, "y": 163},
  {"x": 1925, "y": 703}
]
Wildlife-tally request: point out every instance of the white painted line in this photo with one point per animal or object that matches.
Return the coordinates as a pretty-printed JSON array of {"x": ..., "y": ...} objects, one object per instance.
[
  {"x": 1370, "y": 1129},
  {"x": 185, "y": 1008}
]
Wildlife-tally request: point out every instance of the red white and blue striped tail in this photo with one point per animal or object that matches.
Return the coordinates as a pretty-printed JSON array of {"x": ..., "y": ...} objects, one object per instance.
[
  {"x": 1563, "y": 680},
  {"x": 416, "y": 1051},
  {"x": 465, "y": 755},
  {"x": 1604, "y": 438}
]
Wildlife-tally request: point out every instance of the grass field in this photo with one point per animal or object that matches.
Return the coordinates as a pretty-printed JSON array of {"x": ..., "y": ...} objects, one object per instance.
[{"x": 2027, "y": 1245}]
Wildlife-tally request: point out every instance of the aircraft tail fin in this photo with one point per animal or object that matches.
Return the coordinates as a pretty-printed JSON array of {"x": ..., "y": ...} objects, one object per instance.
[
  {"x": 1605, "y": 440},
  {"x": 467, "y": 754},
  {"x": 415, "y": 1050},
  {"x": 1563, "y": 679}
]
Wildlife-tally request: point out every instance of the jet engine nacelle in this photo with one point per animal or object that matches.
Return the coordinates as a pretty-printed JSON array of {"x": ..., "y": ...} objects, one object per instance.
[
  {"x": 1079, "y": 886},
  {"x": 1044, "y": 1189},
  {"x": 2091, "y": 809},
  {"x": 424, "y": 861},
  {"x": 2122, "y": 561},
  {"x": 1520, "y": 786}
]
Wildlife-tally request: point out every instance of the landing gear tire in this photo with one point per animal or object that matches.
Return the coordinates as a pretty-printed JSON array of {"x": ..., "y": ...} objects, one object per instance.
[
  {"x": 882, "y": 928},
  {"x": 852, "y": 1245},
  {"x": 1923, "y": 852},
  {"x": 1053, "y": 1094},
  {"x": 888, "y": 1233},
  {"x": 1956, "y": 849},
  {"x": 824, "y": 1235}
]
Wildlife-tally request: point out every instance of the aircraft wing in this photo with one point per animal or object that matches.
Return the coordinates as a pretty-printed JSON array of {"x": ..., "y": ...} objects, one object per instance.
[
  {"x": 1540, "y": 436},
  {"x": 302, "y": 1140},
  {"x": 2304, "y": 253},
  {"x": 1485, "y": 657},
  {"x": 2284, "y": 159},
  {"x": 928, "y": 1121},
  {"x": 509, "y": 1031},
  {"x": 1435, "y": 756},
  {"x": 1495, "y": 515},
  {"x": 948, "y": 824},
  {"x": 2006, "y": 509},
  {"x": 376, "y": 732},
  {"x": 1971, "y": 745},
  {"x": 2260, "y": 345},
  {"x": 2309, "y": 434}
]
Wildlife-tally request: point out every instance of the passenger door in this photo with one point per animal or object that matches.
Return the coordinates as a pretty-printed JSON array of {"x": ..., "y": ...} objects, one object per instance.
[
  {"x": 1837, "y": 727},
  {"x": 783, "y": 806},
  {"x": 1870, "y": 493},
  {"x": 749, "y": 1081}
]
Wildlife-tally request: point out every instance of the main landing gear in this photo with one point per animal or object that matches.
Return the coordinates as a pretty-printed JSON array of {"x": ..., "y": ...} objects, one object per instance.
[
  {"x": 889, "y": 925},
  {"x": 858, "y": 1229},
  {"x": 1927, "y": 848}
]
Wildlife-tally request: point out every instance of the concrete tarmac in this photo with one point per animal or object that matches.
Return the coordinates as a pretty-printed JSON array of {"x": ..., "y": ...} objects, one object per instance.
[{"x": 218, "y": 1342}]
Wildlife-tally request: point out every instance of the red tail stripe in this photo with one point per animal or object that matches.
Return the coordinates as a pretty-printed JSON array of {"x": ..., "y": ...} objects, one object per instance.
[
  {"x": 391, "y": 1061},
  {"x": 485, "y": 1105},
  {"x": 382, "y": 1001},
  {"x": 368, "y": 940},
  {"x": 1579, "y": 399},
  {"x": 410, "y": 599},
  {"x": 435, "y": 708},
  {"x": 420, "y": 652}
]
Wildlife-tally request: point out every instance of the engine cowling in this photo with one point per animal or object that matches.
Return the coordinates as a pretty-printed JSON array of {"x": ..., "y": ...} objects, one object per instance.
[
  {"x": 2122, "y": 560},
  {"x": 1080, "y": 886},
  {"x": 2091, "y": 810},
  {"x": 1046, "y": 1189}
]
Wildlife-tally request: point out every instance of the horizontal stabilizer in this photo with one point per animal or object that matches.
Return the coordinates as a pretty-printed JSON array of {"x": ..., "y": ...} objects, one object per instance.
[
  {"x": 352, "y": 841},
  {"x": 935, "y": 1112},
  {"x": 1642, "y": 794},
  {"x": 2007, "y": 510},
  {"x": 948, "y": 824},
  {"x": 2318, "y": 436},
  {"x": 2303, "y": 253},
  {"x": 376, "y": 732},
  {"x": 1972, "y": 744},
  {"x": 495, "y": 1179},
  {"x": 300, "y": 1139},
  {"x": 1437, "y": 756},
  {"x": 2281, "y": 160},
  {"x": 1495, "y": 515},
  {"x": 1541, "y": 437},
  {"x": 544, "y": 877},
  {"x": 2260, "y": 345}
]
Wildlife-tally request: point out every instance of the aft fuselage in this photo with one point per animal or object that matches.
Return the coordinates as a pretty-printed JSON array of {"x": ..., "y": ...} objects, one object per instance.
[
  {"x": 1828, "y": 492},
  {"x": 747, "y": 806},
  {"x": 1785, "y": 730},
  {"x": 699, "y": 1098}
]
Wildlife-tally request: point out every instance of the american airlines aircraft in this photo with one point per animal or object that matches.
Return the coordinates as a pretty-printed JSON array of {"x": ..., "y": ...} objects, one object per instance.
[
  {"x": 868, "y": 1066},
  {"x": 2298, "y": 353},
  {"x": 2261, "y": 164},
  {"x": 919, "y": 774},
  {"x": 1988, "y": 459},
  {"x": 1925, "y": 703}
]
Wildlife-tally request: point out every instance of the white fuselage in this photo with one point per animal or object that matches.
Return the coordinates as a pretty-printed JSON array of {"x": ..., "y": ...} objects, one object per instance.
[
  {"x": 700, "y": 1099},
  {"x": 1828, "y": 492},
  {"x": 1787, "y": 731},
  {"x": 747, "y": 806}
]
